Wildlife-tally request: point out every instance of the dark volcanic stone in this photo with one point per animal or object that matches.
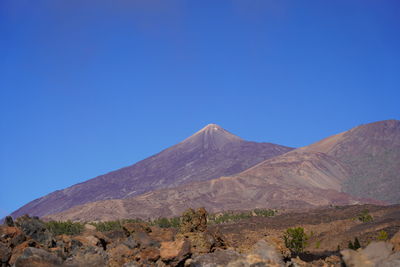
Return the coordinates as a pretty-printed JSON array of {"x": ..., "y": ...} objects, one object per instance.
[
  {"x": 36, "y": 257},
  {"x": 36, "y": 229},
  {"x": 9, "y": 221}
]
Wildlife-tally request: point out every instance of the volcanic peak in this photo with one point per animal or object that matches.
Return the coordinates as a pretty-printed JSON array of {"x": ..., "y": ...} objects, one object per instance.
[{"x": 213, "y": 137}]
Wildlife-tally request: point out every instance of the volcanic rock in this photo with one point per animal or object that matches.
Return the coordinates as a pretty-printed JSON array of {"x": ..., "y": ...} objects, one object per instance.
[
  {"x": 36, "y": 257},
  {"x": 175, "y": 252}
]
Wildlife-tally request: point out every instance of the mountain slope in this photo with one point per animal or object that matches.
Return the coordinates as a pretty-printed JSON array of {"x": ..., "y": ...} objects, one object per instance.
[
  {"x": 310, "y": 176},
  {"x": 210, "y": 153},
  {"x": 225, "y": 193},
  {"x": 371, "y": 153}
]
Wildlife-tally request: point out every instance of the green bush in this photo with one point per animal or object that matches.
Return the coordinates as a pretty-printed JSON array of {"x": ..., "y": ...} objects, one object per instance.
[
  {"x": 108, "y": 226},
  {"x": 265, "y": 213},
  {"x": 236, "y": 216},
  {"x": 356, "y": 245},
  {"x": 295, "y": 239},
  {"x": 166, "y": 222},
  {"x": 364, "y": 216},
  {"x": 382, "y": 236},
  {"x": 64, "y": 228}
]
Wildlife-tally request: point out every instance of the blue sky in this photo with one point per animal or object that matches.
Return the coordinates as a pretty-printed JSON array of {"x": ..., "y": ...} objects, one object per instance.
[{"x": 91, "y": 86}]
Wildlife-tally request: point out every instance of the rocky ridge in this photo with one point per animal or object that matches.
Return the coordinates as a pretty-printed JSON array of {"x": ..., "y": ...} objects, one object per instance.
[{"x": 250, "y": 242}]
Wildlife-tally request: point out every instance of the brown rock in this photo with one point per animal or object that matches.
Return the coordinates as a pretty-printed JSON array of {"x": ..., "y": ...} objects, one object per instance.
[
  {"x": 162, "y": 234},
  {"x": 11, "y": 235},
  {"x": 120, "y": 255},
  {"x": 95, "y": 239},
  {"x": 118, "y": 234},
  {"x": 395, "y": 240},
  {"x": 130, "y": 228},
  {"x": 151, "y": 254},
  {"x": 5, "y": 253},
  {"x": 143, "y": 240},
  {"x": 91, "y": 258},
  {"x": 175, "y": 252},
  {"x": 217, "y": 258},
  {"x": 375, "y": 254},
  {"x": 90, "y": 227},
  {"x": 36, "y": 257},
  {"x": 18, "y": 250},
  {"x": 192, "y": 221},
  {"x": 204, "y": 242}
]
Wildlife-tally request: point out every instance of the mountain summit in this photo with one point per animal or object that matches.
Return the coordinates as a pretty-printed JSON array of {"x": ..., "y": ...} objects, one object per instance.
[
  {"x": 210, "y": 153},
  {"x": 212, "y": 137}
]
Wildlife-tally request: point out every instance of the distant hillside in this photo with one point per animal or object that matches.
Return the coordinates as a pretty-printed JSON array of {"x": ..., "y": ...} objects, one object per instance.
[
  {"x": 371, "y": 153},
  {"x": 210, "y": 153},
  {"x": 364, "y": 162}
]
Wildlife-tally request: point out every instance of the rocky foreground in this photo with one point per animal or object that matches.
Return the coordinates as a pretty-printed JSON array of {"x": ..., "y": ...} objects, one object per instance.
[{"x": 255, "y": 241}]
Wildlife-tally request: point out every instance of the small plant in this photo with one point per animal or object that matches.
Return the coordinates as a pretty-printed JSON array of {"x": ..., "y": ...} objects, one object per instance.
[
  {"x": 356, "y": 245},
  {"x": 64, "y": 228},
  {"x": 107, "y": 226},
  {"x": 382, "y": 236},
  {"x": 264, "y": 213},
  {"x": 365, "y": 217},
  {"x": 166, "y": 222},
  {"x": 295, "y": 239},
  {"x": 318, "y": 244}
]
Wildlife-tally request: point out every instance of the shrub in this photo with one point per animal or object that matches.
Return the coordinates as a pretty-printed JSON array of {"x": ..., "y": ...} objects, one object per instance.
[
  {"x": 295, "y": 239},
  {"x": 64, "y": 228},
  {"x": 264, "y": 213},
  {"x": 364, "y": 216},
  {"x": 356, "y": 245},
  {"x": 107, "y": 226},
  {"x": 382, "y": 235},
  {"x": 166, "y": 222}
]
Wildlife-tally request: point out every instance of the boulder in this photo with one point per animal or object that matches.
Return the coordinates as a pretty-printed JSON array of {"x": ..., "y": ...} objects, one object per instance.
[
  {"x": 193, "y": 221},
  {"x": 150, "y": 254},
  {"x": 5, "y": 254},
  {"x": 162, "y": 234},
  {"x": 20, "y": 248},
  {"x": 89, "y": 227},
  {"x": 11, "y": 235},
  {"x": 131, "y": 243},
  {"x": 36, "y": 229},
  {"x": 395, "y": 240},
  {"x": 95, "y": 239},
  {"x": 36, "y": 257},
  {"x": 143, "y": 240},
  {"x": 375, "y": 254},
  {"x": 175, "y": 252},
  {"x": 130, "y": 228},
  {"x": 217, "y": 258},
  {"x": 265, "y": 252},
  {"x": 131, "y": 264},
  {"x": 204, "y": 242},
  {"x": 120, "y": 254},
  {"x": 115, "y": 235},
  {"x": 87, "y": 257},
  {"x": 8, "y": 221}
]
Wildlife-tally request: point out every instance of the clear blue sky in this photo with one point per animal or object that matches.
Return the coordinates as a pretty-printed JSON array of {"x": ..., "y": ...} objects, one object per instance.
[{"x": 91, "y": 86}]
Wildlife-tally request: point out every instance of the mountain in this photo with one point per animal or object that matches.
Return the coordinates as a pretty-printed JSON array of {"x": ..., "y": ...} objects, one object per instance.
[
  {"x": 347, "y": 168},
  {"x": 371, "y": 153},
  {"x": 210, "y": 153}
]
